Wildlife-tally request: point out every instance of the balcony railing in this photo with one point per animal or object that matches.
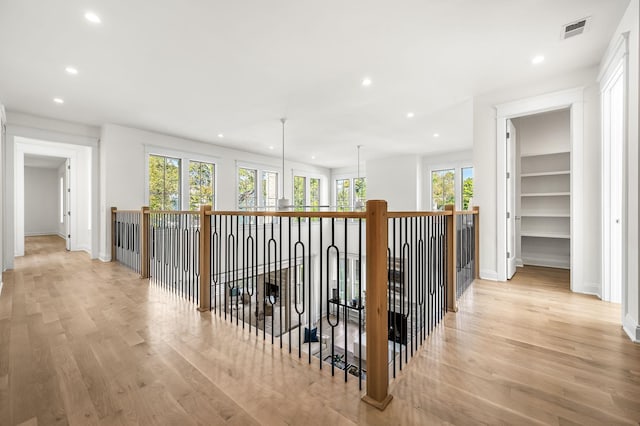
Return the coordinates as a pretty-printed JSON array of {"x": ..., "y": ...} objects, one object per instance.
[{"x": 355, "y": 292}]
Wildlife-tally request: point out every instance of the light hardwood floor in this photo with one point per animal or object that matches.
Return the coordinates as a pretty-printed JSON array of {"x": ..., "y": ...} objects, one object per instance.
[{"x": 85, "y": 342}]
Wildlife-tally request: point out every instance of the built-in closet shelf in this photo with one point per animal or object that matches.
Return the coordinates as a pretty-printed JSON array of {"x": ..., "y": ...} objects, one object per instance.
[
  {"x": 546, "y": 194},
  {"x": 544, "y": 214},
  {"x": 545, "y": 154},
  {"x": 544, "y": 235},
  {"x": 556, "y": 173}
]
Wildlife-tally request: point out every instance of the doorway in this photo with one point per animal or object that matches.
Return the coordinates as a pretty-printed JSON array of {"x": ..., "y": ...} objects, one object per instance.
[
  {"x": 572, "y": 100},
  {"x": 46, "y": 196}
]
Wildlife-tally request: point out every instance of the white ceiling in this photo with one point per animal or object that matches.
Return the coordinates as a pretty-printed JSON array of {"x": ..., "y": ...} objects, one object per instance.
[{"x": 201, "y": 67}]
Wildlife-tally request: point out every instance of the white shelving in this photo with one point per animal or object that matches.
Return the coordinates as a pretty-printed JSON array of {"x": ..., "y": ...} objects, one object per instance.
[{"x": 545, "y": 227}]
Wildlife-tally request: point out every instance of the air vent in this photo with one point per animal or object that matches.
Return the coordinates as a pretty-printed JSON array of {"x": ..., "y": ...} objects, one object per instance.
[{"x": 574, "y": 28}]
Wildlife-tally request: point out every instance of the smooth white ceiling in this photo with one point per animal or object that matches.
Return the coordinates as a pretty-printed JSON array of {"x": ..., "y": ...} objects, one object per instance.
[{"x": 199, "y": 68}]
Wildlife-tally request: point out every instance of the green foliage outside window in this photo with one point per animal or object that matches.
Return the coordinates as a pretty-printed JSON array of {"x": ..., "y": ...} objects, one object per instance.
[
  {"x": 343, "y": 194},
  {"x": 269, "y": 189},
  {"x": 467, "y": 187},
  {"x": 360, "y": 186},
  {"x": 201, "y": 184},
  {"x": 299, "y": 192},
  {"x": 247, "y": 195},
  {"x": 314, "y": 192},
  {"x": 164, "y": 183},
  {"x": 443, "y": 188}
]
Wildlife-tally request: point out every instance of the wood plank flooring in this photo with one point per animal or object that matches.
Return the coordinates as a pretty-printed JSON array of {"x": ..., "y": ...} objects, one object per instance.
[{"x": 89, "y": 343}]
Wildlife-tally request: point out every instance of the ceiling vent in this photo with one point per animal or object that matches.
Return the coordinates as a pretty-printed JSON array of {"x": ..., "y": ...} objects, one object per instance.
[{"x": 575, "y": 28}]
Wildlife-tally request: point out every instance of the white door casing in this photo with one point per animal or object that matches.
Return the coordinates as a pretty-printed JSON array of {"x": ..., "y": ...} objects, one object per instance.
[
  {"x": 511, "y": 197},
  {"x": 572, "y": 99}
]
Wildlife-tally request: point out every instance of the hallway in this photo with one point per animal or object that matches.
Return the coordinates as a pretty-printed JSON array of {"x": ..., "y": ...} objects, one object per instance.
[{"x": 86, "y": 342}]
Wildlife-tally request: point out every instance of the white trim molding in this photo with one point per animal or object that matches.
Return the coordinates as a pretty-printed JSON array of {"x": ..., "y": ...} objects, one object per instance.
[
  {"x": 631, "y": 327},
  {"x": 488, "y": 275},
  {"x": 572, "y": 99}
]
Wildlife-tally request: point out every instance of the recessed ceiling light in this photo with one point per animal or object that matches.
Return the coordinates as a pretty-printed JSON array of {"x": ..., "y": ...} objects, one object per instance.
[
  {"x": 436, "y": 135},
  {"x": 313, "y": 157},
  {"x": 270, "y": 146},
  {"x": 410, "y": 115},
  {"x": 366, "y": 81},
  {"x": 71, "y": 70},
  {"x": 537, "y": 60},
  {"x": 92, "y": 17},
  {"x": 220, "y": 135},
  {"x": 58, "y": 100}
]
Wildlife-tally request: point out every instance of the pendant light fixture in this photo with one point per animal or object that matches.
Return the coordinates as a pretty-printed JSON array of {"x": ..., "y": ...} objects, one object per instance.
[
  {"x": 283, "y": 203},
  {"x": 359, "y": 205}
]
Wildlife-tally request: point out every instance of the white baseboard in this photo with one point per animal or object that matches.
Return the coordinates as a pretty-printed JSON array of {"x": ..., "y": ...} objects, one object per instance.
[
  {"x": 84, "y": 248},
  {"x": 519, "y": 263},
  {"x": 593, "y": 289},
  {"x": 103, "y": 257},
  {"x": 40, "y": 234},
  {"x": 550, "y": 262},
  {"x": 486, "y": 274},
  {"x": 632, "y": 328}
]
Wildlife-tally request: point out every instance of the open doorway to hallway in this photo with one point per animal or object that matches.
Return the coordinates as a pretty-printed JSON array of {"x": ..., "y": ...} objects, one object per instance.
[{"x": 47, "y": 208}]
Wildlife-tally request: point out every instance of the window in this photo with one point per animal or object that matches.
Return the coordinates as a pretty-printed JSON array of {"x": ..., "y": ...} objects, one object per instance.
[
  {"x": 257, "y": 188},
  {"x": 360, "y": 190},
  {"x": 299, "y": 192},
  {"x": 164, "y": 183},
  {"x": 269, "y": 189},
  {"x": 347, "y": 279},
  {"x": 314, "y": 192},
  {"x": 349, "y": 192},
  {"x": 247, "y": 195},
  {"x": 467, "y": 187},
  {"x": 201, "y": 184},
  {"x": 343, "y": 194},
  {"x": 443, "y": 188}
]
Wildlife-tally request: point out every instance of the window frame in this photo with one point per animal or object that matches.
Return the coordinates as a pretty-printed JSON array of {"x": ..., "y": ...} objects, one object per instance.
[
  {"x": 260, "y": 169},
  {"x": 351, "y": 177},
  {"x": 455, "y": 165},
  {"x": 185, "y": 158}
]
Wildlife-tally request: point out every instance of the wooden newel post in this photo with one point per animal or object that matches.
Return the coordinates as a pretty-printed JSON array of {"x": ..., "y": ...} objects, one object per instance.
[
  {"x": 113, "y": 233},
  {"x": 377, "y": 309},
  {"x": 144, "y": 242},
  {"x": 476, "y": 231},
  {"x": 205, "y": 259},
  {"x": 452, "y": 303}
]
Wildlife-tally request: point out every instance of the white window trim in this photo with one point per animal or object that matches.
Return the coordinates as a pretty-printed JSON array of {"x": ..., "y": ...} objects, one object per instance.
[
  {"x": 260, "y": 168},
  {"x": 352, "y": 177},
  {"x": 308, "y": 176},
  {"x": 185, "y": 158},
  {"x": 457, "y": 166}
]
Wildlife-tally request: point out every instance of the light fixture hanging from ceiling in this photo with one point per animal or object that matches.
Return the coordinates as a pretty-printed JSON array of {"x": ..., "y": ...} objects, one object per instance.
[
  {"x": 283, "y": 203},
  {"x": 359, "y": 205}
]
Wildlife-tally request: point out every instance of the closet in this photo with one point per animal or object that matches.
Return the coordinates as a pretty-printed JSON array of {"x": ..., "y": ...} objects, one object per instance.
[{"x": 543, "y": 189}]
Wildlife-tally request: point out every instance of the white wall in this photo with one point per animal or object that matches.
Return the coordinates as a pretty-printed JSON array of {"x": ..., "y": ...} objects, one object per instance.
[
  {"x": 631, "y": 294},
  {"x": 484, "y": 155},
  {"x": 122, "y": 171},
  {"x": 544, "y": 133},
  {"x": 40, "y": 201},
  {"x": 397, "y": 180}
]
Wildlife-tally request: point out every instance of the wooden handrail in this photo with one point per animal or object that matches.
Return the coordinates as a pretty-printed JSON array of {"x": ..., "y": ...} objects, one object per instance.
[
  {"x": 337, "y": 215},
  {"x": 396, "y": 215}
]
